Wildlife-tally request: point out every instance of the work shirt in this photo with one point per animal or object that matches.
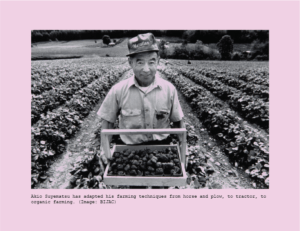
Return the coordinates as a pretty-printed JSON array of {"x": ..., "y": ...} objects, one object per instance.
[{"x": 139, "y": 110}]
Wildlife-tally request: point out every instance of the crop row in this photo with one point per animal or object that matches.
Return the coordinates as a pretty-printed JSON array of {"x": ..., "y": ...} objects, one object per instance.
[
  {"x": 257, "y": 73},
  {"x": 251, "y": 108},
  {"x": 241, "y": 144},
  {"x": 250, "y": 76},
  {"x": 46, "y": 75},
  {"x": 249, "y": 88},
  {"x": 262, "y": 79},
  {"x": 41, "y": 82},
  {"x": 50, "y": 134},
  {"x": 44, "y": 79},
  {"x": 50, "y": 100}
]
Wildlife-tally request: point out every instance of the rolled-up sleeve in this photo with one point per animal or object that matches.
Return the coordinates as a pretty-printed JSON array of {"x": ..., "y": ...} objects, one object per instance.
[
  {"x": 110, "y": 107},
  {"x": 176, "y": 113}
]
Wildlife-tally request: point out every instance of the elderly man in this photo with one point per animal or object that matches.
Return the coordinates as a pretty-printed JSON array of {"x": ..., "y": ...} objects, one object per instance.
[{"x": 143, "y": 101}]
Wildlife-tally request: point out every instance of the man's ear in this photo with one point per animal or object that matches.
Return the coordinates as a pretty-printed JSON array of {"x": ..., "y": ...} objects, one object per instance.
[
  {"x": 130, "y": 61},
  {"x": 158, "y": 59}
]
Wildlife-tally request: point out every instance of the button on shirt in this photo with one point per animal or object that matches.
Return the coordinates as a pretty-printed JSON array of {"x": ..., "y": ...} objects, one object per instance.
[{"x": 155, "y": 108}]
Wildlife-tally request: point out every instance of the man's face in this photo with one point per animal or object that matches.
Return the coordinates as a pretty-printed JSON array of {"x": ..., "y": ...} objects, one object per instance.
[{"x": 144, "y": 66}]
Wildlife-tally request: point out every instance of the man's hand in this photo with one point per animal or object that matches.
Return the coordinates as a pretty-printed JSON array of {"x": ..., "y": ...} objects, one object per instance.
[
  {"x": 102, "y": 162},
  {"x": 179, "y": 124},
  {"x": 105, "y": 125},
  {"x": 103, "y": 157}
]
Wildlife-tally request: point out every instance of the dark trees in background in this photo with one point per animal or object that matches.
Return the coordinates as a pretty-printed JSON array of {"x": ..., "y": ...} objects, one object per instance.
[
  {"x": 46, "y": 36},
  {"x": 97, "y": 34},
  {"x": 206, "y": 36},
  {"x": 53, "y": 35},
  {"x": 106, "y": 39},
  {"x": 238, "y": 36},
  {"x": 37, "y": 37},
  {"x": 260, "y": 50},
  {"x": 225, "y": 46},
  {"x": 162, "y": 49},
  {"x": 184, "y": 43}
]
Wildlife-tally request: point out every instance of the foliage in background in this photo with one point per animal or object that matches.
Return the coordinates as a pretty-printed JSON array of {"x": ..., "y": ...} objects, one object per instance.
[
  {"x": 162, "y": 49},
  {"x": 238, "y": 36},
  {"x": 106, "y": 39},
  {"x": 225, "y": 46},
  {"x": 200, "y": 52},
  {"x": 236, "y": 56},
  {"x": 184, "y": 43},
  {"x": 260, "y": 48},
  {"x": 180, "y": 52}
]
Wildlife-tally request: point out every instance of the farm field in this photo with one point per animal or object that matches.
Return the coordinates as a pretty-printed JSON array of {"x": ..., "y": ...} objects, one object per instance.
[
  {"x": 57, "y": 113},
  {"x": 225, "y": 120},
  {"x": 228, "y": 147}
]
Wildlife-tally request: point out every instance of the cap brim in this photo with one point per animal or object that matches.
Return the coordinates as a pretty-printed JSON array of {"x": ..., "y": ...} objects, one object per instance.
[{"x": 141, "y": 52}]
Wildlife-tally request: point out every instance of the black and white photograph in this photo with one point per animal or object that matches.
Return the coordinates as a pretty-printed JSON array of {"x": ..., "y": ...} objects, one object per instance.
[{"x": 150, "y": 109}]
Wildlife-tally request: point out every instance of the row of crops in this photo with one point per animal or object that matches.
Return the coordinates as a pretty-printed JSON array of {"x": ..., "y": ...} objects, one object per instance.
[
  {"x": 254, "y": 108},
  {"x": 249, "y": 87},
  {"x": 65, "y": 92},
  {"x": 48, "y": 100},
  {"x": 59, "y": 112},
  {"x": 255, "y": 76},
  {"x": 243, "y": 145},
  {"x": 254, "y": 72}
]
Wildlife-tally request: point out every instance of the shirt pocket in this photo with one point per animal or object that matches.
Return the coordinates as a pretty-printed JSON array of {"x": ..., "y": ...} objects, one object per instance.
[
  {"x": 161, "y": 118},
  {"x": 132, "y": 118}
]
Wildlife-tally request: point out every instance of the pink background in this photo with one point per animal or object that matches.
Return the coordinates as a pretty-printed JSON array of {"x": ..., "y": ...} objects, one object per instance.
[{"x": 280, "y": 211}]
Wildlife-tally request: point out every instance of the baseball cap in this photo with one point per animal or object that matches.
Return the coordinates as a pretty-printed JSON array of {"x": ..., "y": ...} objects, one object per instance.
[{"x": 142, "y": 43}]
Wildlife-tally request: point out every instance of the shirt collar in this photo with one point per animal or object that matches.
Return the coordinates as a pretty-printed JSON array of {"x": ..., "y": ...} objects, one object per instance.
[{"x": 156, "y": 82}]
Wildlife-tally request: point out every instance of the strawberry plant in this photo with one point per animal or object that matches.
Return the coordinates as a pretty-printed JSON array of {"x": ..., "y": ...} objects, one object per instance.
[
  {"x": 251, "y": 108},
  {"x": 53, "y": 128},
  {"x": 243, "y": 146},
  {"x": 250, "y": 88}
]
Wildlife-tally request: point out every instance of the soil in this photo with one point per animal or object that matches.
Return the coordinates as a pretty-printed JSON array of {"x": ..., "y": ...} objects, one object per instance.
[{"x": 225, "y": 174}]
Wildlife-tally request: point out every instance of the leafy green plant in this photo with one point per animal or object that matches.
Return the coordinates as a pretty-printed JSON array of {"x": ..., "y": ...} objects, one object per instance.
[
  {"x": 252, "y": 109},
  {"x": 244, "y": 147},
  {"x": 53, "y": 128}
]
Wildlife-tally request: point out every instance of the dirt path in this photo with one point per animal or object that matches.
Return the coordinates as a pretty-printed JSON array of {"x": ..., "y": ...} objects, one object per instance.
[{"x": 58, "y": 173}]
